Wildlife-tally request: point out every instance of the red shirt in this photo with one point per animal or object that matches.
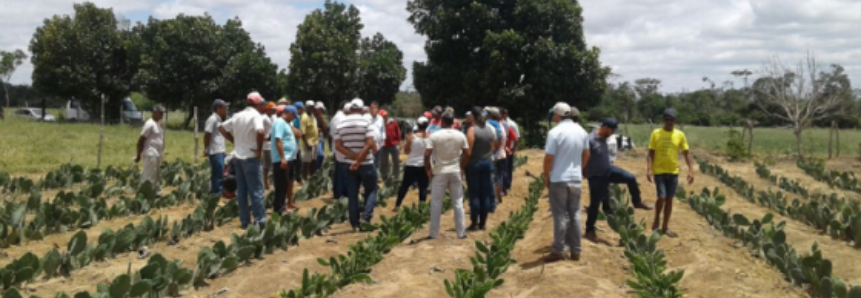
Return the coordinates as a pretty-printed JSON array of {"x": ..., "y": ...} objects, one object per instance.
[
  {"x": 393, "y": 135},
  {"x": 512, "y": 137}
]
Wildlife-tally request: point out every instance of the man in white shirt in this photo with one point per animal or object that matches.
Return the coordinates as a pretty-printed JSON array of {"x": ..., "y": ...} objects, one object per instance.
[
  {"x": 213, "y": 145},
  {"x": 151, "y": 148},
  {"x": 339, "y": 181},
  {"x": 447, "y": 146},
  {"x": 566, "y": 155},
  {"x": 379, "y": 125},
  {"x": 247, "y": 126},
  {"x": 355, "y": 140},
  {"x": 510, "y": 168},
  {"x": 266, "y": 157}
]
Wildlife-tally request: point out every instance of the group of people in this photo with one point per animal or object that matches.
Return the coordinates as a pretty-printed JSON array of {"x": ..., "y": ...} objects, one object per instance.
[{"x": 572, "y": 154}]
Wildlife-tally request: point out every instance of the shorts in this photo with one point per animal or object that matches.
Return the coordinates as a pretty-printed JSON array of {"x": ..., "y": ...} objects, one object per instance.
[
  {"x": 309, "y": 155},
  {"x": 666, "y": 185},
  {"x": 266, "y": 157}
]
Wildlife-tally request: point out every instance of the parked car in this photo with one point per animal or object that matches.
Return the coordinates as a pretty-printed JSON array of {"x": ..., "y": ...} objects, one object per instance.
[
  {"x": 75, "y": 111},
  {"x": 35, "y": 114}
]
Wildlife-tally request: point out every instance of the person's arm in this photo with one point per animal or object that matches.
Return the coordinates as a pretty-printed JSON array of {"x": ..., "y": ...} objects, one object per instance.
[
  {"x": 409, "y": 146},
  {"x": 140, "y": 147},
  {"x": 207, "y": 137},
  {"x": 548, "y": 166},
  {"x": 467, "y": 153},
  {"x": 428, "y": 167},
  {"x": 339, "y": 145},
  {"x": 370, "y": 143},
  {"x": 227, "y": 135},
  {"x": 585, "y": 161},
  {"x": 689, "y": 160},
  {"x": 261, "y": 136},
  {"x": 649, "y": 160}
]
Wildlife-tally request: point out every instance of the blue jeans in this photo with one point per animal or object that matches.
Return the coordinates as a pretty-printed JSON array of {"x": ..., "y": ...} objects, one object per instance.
[
  {"x": 599, "y": 196},
  {"x": 481, "y": 192},
  {"x": 666, "y": 185},
  {"x": 365, "y": 177},
  {"x": 620, "y": 176},
  {"x": 339, "y": 182},
  {"x": 249, "y": 187},
  {"x": 320, "y": 154},
  {"x": 216, "y": 167}
]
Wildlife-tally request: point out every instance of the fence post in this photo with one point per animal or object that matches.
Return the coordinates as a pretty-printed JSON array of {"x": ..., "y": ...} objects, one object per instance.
[
  {"x": 101, "y": 134},
  {"x": 121, "y": 115},
  {"x": 195, "y": 134}
]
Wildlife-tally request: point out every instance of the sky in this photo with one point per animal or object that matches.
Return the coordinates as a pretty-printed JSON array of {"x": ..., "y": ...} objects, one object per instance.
[{"x": 676, "y": 41}]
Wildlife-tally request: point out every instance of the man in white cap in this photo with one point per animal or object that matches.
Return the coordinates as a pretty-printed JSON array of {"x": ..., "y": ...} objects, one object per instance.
[
  {"x": 355, "y": 140},
  {"x": 566, "y": 154},
  {"x": 310, "y": 136},
  {"x": 379, "y": 124},
  {"x": 151, "y": 146},
  {"x": 322, "y": 129},
  {"x": 213, "y": 145},
  {"x": 247, "y": 127},
  {"x": 447, "y": 146}
]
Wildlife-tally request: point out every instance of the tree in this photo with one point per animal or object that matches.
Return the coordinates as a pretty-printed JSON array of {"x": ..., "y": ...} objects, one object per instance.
[
  {"x": 83, "y": 57},
  {"x": 522, "y": 54},
  {"x": 381, "y": 69},
  {"x": 182, "y": 70},
  {"x": 796, "y": 94},
  {"x": 323, "y": 63},
  {"x": 9, "y": 61}
]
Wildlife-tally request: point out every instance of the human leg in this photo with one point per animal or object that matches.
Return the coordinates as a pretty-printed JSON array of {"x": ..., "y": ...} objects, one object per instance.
[
  {"x": 488, "y": 199},
  {"x": 242, "y": 192},
  {"x": 661, "y": 189},
  {"x": 671, "y": 185},
  {"x": 619, "y": 175},
  {"x": 558, "y": 194},
  {"x": 279, "y": 180},
  {"x": 254, "y": 179},
  {"x": 410, "y": 176},
  {"x": 598, "y": 192},
  {"x": 473, "y": 184},
  {"x": 423, "y": 183},
  {"x": 216, "y": 171},
  {"x": 266, "y": 161},
  {"x": 572, "y": 236},
  {"x": 395, "y": 155},
  {"x": 353, "y": 182},
  {"x": 455, "y": 190},
  {"x": 369, "y": 183},
  {"x": 384, "y": 163},
  {"x": 437, "y": 196}
]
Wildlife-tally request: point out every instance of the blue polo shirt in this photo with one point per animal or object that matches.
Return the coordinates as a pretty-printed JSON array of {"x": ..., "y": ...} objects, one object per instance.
[
  {"x": 566, "y": 142},
  {"x": 280, "y": 130},
  {"x": 599, "y": 157}
]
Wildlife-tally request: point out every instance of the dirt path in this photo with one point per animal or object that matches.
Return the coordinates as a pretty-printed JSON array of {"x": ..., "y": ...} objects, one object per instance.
[
  {"x": 791, "y": 171},
  {"x": 407, "y": 271},
  {"x": 846, "y": 260},
  {"x": 713, "y": 266}
]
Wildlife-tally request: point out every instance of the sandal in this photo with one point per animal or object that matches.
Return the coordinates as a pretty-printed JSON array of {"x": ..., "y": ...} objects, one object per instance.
[{"x": 670, "y": 234}]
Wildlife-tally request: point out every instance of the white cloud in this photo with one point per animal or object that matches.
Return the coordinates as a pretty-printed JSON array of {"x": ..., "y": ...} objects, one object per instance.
[{"x": 676, "y": 41}]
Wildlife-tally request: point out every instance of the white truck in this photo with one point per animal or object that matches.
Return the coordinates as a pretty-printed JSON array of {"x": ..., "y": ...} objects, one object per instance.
[{"x": 75, "y": 111}]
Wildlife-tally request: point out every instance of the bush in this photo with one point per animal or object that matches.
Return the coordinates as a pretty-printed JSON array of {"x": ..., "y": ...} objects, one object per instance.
[{"x": 735, "y": 148}]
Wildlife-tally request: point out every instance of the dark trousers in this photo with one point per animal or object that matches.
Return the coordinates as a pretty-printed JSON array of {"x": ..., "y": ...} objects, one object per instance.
[
  {"x": 413, "y": 175},
  {"x": 296, "y": 167},
  {"x": 599, "y": 193},
  {"x": 481, "y": 193},
  {"x": 339, "y": 181},
  {"x": 216, "y": 168},
  {"x": 365, "y": 177},
  {"x": 507, "y": 183},
  {"x": 280, "y": 180}
]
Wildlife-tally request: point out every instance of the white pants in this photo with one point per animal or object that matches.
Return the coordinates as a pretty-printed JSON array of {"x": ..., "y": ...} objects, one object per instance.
[
  {"x": 452, "y": 182},
  {"x": 150, "y": 172}
]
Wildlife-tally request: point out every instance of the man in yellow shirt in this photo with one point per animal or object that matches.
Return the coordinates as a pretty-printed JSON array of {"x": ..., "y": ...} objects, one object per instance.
[
  {"x": 308, "y": 126},
  {"x": 663, "y": 166}
]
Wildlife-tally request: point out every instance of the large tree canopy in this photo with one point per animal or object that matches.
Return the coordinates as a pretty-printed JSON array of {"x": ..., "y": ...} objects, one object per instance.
[
  {"x": 9, "y": 61},
  {"x": 381, "y": 69},
  {"x": 84, "y": 57},
  {"x": 522, "y": 54},
  {"x": 183, "y": 70}
]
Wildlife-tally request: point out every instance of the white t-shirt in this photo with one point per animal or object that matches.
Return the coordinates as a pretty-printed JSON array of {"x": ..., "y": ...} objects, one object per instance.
[
  {"x": 566, "y": 142},
  {"x": 154, "y": 143},
  {"x": 216, "y": 140},
  {"x": 244, "y": 127},
  {"x": 353, "y": 131},
  {"x": 380, "y": 127},
  {"x": 268, "y": 121},
  {"x": 447, "y": 145},
  {"x": 416, "y": 158},
  {"x": 333, "y": 133}
]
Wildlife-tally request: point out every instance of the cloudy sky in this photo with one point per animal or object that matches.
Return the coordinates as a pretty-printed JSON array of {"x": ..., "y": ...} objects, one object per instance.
[{"x": 676, "y": 41}]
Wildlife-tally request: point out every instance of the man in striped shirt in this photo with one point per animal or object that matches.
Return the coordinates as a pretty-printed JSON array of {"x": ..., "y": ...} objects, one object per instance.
[{"x": 355, "y": 139}]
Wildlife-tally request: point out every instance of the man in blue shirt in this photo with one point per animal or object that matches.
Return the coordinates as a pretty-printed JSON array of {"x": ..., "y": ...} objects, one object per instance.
[{"x": 283, "y": 144}]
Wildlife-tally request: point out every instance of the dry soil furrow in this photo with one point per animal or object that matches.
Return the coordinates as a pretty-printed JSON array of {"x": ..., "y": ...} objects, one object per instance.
[{"x": 413, "y": 270}]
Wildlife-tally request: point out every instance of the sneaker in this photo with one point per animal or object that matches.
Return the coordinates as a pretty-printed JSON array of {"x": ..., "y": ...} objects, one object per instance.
[
  {"x": 461, "y": 236},
  {"x": 472, "y": 228},
  {"x": 643, "y": 206},
  {"x": 591, "y": 236},
  {"x": 575, "y": 256},
  {"x": 553, "y": 257},
  {"x": 396, "y": 209},
  {"x": 670, "y": 233},
  {"x": 482, "y": 227}
]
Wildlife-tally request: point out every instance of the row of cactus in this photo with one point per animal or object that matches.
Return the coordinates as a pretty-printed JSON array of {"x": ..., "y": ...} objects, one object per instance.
[
  {"x": 838, "y": 217},
  {"x": 793, "y": 186},
  {"x": 493, "y": 259},
  {"x": 834, "y": 179},
  {"x": 649, "y": 264},
  {"x": 768, "y": 241},
  {"x": 319, "y": 183}
]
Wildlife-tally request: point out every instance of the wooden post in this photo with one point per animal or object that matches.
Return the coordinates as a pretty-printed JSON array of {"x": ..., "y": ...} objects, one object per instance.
[
  {"x": 101, "y": 134},
  {"x": 195, "y": 134},
  {"x": 836, "y": 137},
  {"x": 121, "y": 115}
]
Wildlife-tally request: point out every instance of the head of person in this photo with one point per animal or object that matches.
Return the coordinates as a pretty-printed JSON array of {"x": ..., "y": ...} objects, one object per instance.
[
  {"x": 357, "y": 106},
  {"x": 422, "y": 123},
  {"x": 670, "y": 118},
  {"x": 561, "y": 111},
  {"x": 446, "y": 120},
  {"x": 271, "y": 108},
  {"x": 310, "y": 106},
  {"x": 468, "y": 118},
  {"x": 478, "y": 116},
  {"x": 608, "y": 128},
  {"x": 299, "y": 107},
  {"x": 374, "y": 108},
  {"x": 220, "y": 107},
  {"x": 289, "y": 113},
  {"x": 493, "y": 113},
  {"x": 428, "y": 114},
  {"x": 437, "y": 112},
  {"x": 319, "y": 109},
  {"x": 255, "y": 100},
  {"x": 449, "y": 110},
  {"x": 385, "y": 115},
  {"x": 366, "y": 111},
  {"x": 283, "y": 101},
  {"x": 504, "y": 113},
  {"x": 157, "y": 113},
  {"x": 348, "y": 108}
]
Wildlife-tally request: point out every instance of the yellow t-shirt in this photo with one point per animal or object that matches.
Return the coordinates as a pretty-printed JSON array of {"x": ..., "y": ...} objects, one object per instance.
[
  {"x": 308, "y": 126},
  {"x": 667, "y": 145}
]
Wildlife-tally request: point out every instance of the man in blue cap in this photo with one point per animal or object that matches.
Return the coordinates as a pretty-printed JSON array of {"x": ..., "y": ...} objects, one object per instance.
[{"x": 601, "y": 173}]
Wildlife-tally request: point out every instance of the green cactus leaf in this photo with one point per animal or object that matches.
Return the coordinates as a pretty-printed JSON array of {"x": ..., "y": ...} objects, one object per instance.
[
  {"x": 140, "y": 288},
  {"x": 120, "y": 286}
]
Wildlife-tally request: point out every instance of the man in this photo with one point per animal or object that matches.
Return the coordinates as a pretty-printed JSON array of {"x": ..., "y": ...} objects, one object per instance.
[
  {"x": 435, "y": 122},
  {"x": 355, "y": 140},
  {"x": 379, "y": 124},
  {"x": 339, "y": 181},
  {"x": 322, "y": 128},
  {"x": 297, "y": 123},
  {"x": 268, "y": 118},
  {"x": 247, "y": 127},
  {"x": 446, "y": 146},
  {"x": 457, "y": 125},
  {"x": 151, "y": 146},
  {"x": 468, "y": 121},
  {"x": 663, "y": 166},
  {"x": 283, "y": 102},
  {"x": 391, "y": 152},
  {"x": 213, "y": 145},
  {"x": 566, "y": 154},
  {"x": 500, "y": 162},
  {"x": 310, "y": 135},
  {"x": 513, "y": 141},
  {"x": 283, "y": 149},
  {"x": 601, "y": 173}
]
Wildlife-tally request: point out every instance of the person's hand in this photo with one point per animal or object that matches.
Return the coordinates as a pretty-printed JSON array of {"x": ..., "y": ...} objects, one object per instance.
[
  {"x": 283, "y": 164},
  {"x": 354, "y": 167},
  {"x": 307, "y": 148},
  {"x": 205, "y": 154},
  {"x": 649, "y": 175},
  {"x": 430, "y": 174},
  {"x": 258, "y": 153},
  {"x": 690, "y": 177},
  {"x": 546, "y": 182}
]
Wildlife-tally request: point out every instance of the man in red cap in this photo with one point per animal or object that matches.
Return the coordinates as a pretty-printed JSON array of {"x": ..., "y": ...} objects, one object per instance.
[
  {"x": 391, "y": 152},
  {"x": 245, "y": 130}
]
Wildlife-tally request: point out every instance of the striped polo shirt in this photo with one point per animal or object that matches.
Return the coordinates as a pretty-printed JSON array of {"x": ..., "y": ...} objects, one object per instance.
[{"x": 353, "y": 130}]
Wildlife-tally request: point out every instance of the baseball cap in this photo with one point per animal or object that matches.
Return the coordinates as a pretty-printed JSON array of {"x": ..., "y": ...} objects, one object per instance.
[
  {"x": 279, "y": 109},
  {"x": 270, "y": 105},
  {"x": 320, "y": 105},
  {"x": 357, "y": 104},
  {"x": 254, "y": 98},
  {"x": 219, "y": 103},
  {"x": 562, "y": 109},
  {"x": 298, "y": 105},
  {"x": 283, "y": 100},
  {"x": 575, "y": 111},
  {"x": 671, "y": 113},
  {"x": 494, "y": 112},
  {"x": 428, "y": 114},
  {"x": 291, "y": 109},
  {"x": 610, "y": 123},
  {"x": 348, "y": 106},
  {"x": 384, "y": 113},
  {"x": 422, "y": 120},
  {"x": 437, "y": 110},
  {"x": 309, "y": 104},
  {"x": 158, "y": 108}
]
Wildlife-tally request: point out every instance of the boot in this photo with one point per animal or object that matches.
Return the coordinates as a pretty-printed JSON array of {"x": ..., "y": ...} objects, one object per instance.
[{"x": 482, "y": 224}]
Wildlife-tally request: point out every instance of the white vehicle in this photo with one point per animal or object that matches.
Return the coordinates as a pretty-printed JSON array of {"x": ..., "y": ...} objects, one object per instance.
[
  {"x": 34, "y": 114},
  {"x": 75, "y": 111}
]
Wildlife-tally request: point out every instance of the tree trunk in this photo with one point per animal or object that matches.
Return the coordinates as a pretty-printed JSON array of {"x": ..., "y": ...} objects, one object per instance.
[
  {"x": 6, "y": 87},
  {"x": 188, "y": 115},
  {"x": 750, "y": 142},
  {"x": 797, "y": 133}
]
